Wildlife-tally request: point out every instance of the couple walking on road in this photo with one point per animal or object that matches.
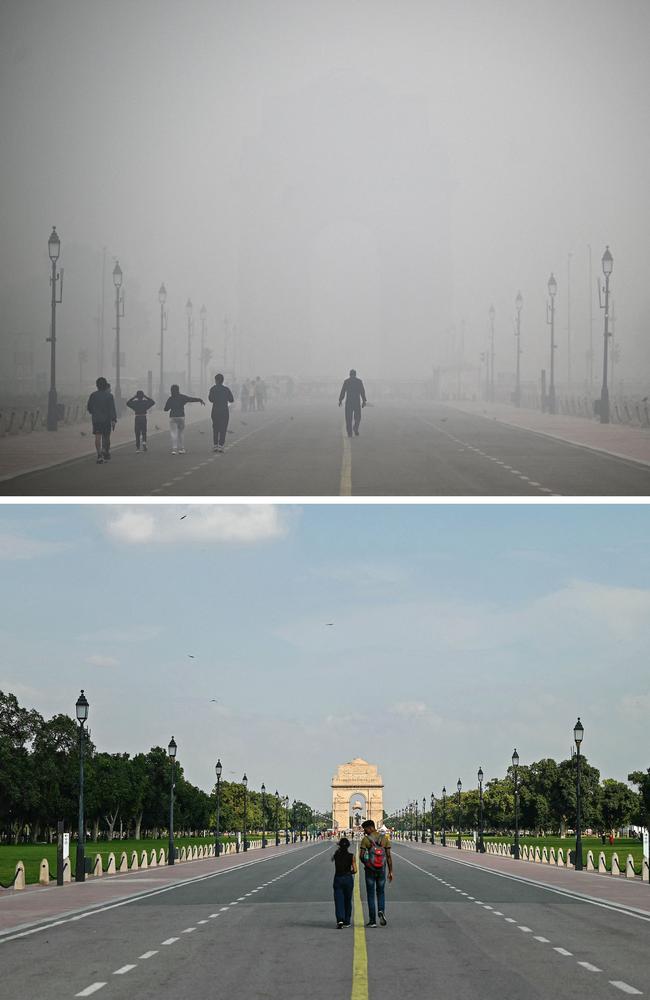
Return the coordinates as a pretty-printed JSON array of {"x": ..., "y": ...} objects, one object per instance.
[{"x": 375, "y": 855}]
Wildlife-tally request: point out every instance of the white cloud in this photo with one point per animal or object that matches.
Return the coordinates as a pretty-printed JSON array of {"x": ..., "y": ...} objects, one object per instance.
[
  {"x": 211, "y": 523},
  {"x": 16, "y": 546},
  {"x": 97, "y": 660},
  {"x": 410, "y": 709}
]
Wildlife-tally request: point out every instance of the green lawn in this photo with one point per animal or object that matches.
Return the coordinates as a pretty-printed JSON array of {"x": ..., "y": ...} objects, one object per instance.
[
  {"x": 32, "y": 854},
  {"x": 622, "y": 846}
]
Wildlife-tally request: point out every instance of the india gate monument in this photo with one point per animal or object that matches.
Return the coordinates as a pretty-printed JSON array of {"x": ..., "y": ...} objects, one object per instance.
[{"x": 357, "y": 795}]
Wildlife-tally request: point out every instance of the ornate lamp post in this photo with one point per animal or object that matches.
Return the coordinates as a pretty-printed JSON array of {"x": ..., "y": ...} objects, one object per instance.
[
  {"x": 171, "y": 752},
  {"x": 217, "y": 842},
  {"x": 286, "y": 819},
  {"x": 416, "y": 820},
  {"x": 424, "y": 829},
  {"x": 263, "y": 815},
  {"x": 578, "y": 733},
  {"x": 433, "y": 807},
  {"x": 82, "y": 708},
  {"x": 550, "y": 319},
  {"x": 54, "y": 249},
  {"x": 459, "y": 785},
  {"x": 480, "y": 847},
  {"x": 188, "y": 311},
  {"x": 515, "y": 772},
  {"x": 203, "y": 313},
  {"x": 491, "y": 314},
  {"x": 444, "y": 816},
  {"x": 608, "y": 265},
  {"x": 119, "y": 314},
  {"x": 518, "y": 304},
  {"x": 277, "y": 818},
  {"x": 162, "y": 298},
  {"x": 244, "y": 782}
]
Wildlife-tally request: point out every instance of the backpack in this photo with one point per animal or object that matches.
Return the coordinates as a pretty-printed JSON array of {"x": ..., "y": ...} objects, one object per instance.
[{"x": 374, "y": 857}]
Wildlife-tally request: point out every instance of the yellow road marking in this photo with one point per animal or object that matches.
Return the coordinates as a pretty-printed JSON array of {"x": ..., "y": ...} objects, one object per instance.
[
  {"x": 346, "y": 466},
  {"x": 360, "y": 957}
]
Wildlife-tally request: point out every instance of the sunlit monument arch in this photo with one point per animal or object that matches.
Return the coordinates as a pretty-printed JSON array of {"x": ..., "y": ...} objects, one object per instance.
[{"x": 357, "y": 791}]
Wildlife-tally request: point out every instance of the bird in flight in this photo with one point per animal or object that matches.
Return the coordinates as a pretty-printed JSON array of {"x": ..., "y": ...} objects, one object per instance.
[
  {"x": 183, "y": 516},
  {"x": 213, "y": 699},
  {"x": 329, "y": 623},
  {"x": 191, "y": 656}
]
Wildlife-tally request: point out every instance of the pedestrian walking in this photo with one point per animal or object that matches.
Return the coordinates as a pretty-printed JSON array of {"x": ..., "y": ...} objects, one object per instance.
[
  {"x": 220, "y": 396},
  {"x": 243, "y": 396},
  {"x": 176, "y": 405},
  {"x": 354, "y": 394},
  {"x": 260, "y": 393},
  {"x": 140, "y": 404},
  {"x": 101, "y": 407},
  {"x": 375, "y": 854},
  {"x": 345, "y": 868}
]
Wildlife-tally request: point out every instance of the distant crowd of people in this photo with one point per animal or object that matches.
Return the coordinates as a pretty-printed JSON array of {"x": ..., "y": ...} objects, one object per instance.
[{"x": 252, "y": 395}]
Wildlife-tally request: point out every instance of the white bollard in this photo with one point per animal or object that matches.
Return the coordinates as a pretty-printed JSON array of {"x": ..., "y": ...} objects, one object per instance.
[
  {"x": 110, "y": 864},
  {"x": 560, "y": 857},
  {"x": 124, "y": 864},
  {"x": 616, "y": 868},
  {"x": 134, "y": 861},
  {"x": 97, "y": 866},
  {"x": 143, "y": 860},
  {"x": 590, "y": 861},
  {"x": 602, "y": 863},
  {"x": 161, "y": 856},
  {"x": 153, "y": 860},
  {"x": 629, "y": 867},
  {"x": 44, "y": 872},
  {"x": 19, "y": 881}
]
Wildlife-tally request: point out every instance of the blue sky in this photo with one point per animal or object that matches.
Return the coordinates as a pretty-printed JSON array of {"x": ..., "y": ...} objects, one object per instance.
[{"x": 459, "y": 632}]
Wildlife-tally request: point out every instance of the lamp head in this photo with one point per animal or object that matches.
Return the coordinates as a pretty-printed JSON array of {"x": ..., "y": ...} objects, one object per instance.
[
  {"x": 552, "y": 286},
  {"x": 491, "y": 313},
  {"x": 54, "y": 245},
  {"x": 459, "y": 784},
  {"x": 519, "y": 302},
  {"x": 188, "y": 308},
  {"x": 578, "y": 732},
  {"x": 162, "y": 294},
  {"x": 82, "y": 707},
  {"x": 607, "y": 261},
  {"x": 244, "y": 781},
  {"x": 263, "y": 789},
  {"x": 218, "y": 768},
  {"x": 203, "y": 312},
  {"x": 515, "y": 758},
  {"x": 172, "y": 748},
  {"x": 480, "y": 775}
]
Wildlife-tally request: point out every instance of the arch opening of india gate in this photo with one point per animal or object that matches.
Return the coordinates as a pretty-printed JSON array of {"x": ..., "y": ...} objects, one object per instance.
[{"x": 357, "y": 795}]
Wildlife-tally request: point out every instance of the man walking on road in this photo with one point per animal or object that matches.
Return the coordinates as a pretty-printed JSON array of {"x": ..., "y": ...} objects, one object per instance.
[
  {"x": 355, "y": 398},
  {"x": 220, "y": 396},
  {"x": 140, "y": 404},
  {"x": 375, "y": 854},
  {"x": 101, "y": 407}
]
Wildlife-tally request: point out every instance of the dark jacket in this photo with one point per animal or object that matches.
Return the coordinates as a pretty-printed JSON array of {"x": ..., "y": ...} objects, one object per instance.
[
  {"x": 101, "y": 406},
  {"x": 140, "y": 406},
  {"x": 176, "y": 404},
  {"x": 353, "y": 389},
  {"x": 220, "y": 396}
]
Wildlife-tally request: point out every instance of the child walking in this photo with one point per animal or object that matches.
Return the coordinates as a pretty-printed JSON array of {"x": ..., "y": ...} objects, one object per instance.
[
  {"x": 345, "y": 868},
  {"x": 140, "y": 404}
]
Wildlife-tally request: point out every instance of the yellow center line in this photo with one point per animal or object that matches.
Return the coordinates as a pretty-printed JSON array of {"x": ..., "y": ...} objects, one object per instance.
[
  {"x": 360, "y": 957},
  {"x": 346, "y": 466}
]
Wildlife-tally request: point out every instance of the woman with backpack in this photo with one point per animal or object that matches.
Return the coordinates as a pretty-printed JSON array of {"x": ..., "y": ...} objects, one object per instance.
[{"x": 345, "y": 868}]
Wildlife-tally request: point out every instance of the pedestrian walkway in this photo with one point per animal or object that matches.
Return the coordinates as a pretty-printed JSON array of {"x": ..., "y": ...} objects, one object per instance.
[
  {"x": 615, "y": 890},
  {"x": 36, "y": 903},
  {"x": 632, "y": 443},
  {"x": 21, "y": 453}
]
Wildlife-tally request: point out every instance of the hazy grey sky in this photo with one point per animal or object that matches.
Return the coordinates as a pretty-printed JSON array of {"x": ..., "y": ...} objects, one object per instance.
[
  {"x": 344, "y": 180},
  {"x": 460, "y": 632}
]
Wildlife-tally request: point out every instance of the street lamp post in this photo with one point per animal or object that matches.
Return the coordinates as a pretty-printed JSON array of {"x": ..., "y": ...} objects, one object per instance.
[
  {"x": 480, "y": 847},
  {"x": 424, "y": 809},
  {"x": 188, "y": 310},
  {"x": 217, "y": 843},
  {"x": 416, "y": 820},
  {"x": 171, "y": 751},
  {"x": 54, "y": 249},
  {"x": 433, "y": 806},
  {"x": 491, "y": 314},
  {"x": 203, "y": 387},
  {"x": 515, "y": 771},
  {"x": 608, "y": 264},
  {"x": 550, "y": 319},
  {"x": 518, "y": 304},
  {"x": 244, "y": 781},
  {"x": 459, "y": 785},
  {"x": 82, "y": 708},
  {"x": 578, "y": 733},
  {"x": 277, "y": 818},
  {"x": 162, "y": 298},
  {"x": 119, "y": 314},
  {"x": 444, "y": 816},
  {"x": 263, "y": 815},
  {"x": 286, "y": 819}
]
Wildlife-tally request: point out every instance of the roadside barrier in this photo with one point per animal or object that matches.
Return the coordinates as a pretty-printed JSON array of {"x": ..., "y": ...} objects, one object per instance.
[
  {"x": 194, "y": 853},
  {"x": 546, "y": 856}
]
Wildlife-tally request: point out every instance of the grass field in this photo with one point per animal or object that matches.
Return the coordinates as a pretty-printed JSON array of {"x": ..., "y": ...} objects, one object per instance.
[
  {"x": 32, "y": 854},
  {"x": 622, "y": 846}
]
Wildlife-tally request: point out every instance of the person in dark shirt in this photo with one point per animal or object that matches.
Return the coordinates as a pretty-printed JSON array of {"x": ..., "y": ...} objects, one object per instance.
[
  {"x": 354, "y": 394},
  {"x": 176, "y": 407},
  {"x": 345, "y": 868},
  {"x": 101, "y": 407},
  {"x": 140, "y": 404},
  {"x": 220, "y": 396}
]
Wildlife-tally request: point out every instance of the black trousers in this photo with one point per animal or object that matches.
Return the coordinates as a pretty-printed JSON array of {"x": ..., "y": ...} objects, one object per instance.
[
  {"x": 220, "y": 426},
  {"x": 140, "y": 429},
  {"x": 352, "y": 415}
]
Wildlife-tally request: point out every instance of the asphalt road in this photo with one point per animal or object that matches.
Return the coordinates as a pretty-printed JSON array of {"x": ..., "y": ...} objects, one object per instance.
[
  {"x": 267, "y": 930},
  {"x": 410, "y": 449}
]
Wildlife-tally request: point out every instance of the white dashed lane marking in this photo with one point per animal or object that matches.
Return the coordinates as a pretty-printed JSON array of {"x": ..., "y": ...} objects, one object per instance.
[
  {"x": 148, "y": 954},
  {"x": 589, "y": 967},
  {"x": 169, "y": 941},
  {"x": 90, "y": 990},
  {"x": 625, "y": 987},
  {"x": 563, "y": 951},
  {"x": 124, "y": 969}
]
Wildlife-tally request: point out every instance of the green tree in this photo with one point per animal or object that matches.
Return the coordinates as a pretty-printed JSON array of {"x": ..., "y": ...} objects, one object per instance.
[
  {"x": 618, "y": 804},
  {"x": 642, "y": 780}
]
